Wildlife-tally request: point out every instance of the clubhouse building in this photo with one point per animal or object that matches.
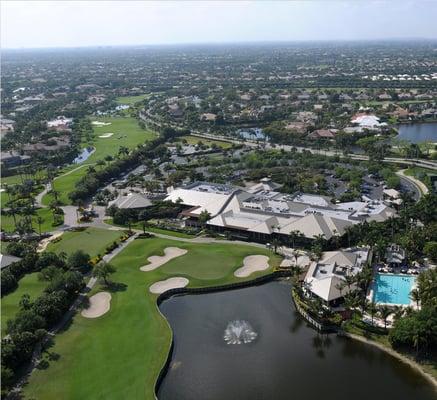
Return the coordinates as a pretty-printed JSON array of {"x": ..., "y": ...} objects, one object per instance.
[{"x": 261, "y": 212}]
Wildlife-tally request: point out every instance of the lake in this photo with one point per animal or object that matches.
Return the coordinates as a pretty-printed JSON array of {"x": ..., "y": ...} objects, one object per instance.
[
  {"x": 83, "y": 155},
  {"x": 252, "y": 134},
  {"x": 418, "y": 133},
  {"x": 283, "y": 358}
]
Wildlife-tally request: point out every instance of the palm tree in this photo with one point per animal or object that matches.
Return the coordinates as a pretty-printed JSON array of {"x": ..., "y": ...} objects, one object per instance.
[
  {"x": 415, "y": 296},
  {"x": 384, "y": 312},
  {"x": 275, "y": 244},
  {"x": 372, "y": 309},
  {"x": 350, "y": 280},
  {"x": 294, "y": 235},
  {"x": 296, "y": 255},
  {"x": 39, "y": 221},
  {"x": 320, "y": 239},
  {"x": 351, "y": 301},
  {"x": 101, "y": 163},
  {"x": 204, "y": 216},
  {"x": 123, "y": 150},
  {"x": 340, "y": 286},
  {"x": 398, "y": 312}
]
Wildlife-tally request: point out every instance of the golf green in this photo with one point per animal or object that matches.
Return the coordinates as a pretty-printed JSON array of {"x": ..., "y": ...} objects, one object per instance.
[{"x": 120, "y": 354}]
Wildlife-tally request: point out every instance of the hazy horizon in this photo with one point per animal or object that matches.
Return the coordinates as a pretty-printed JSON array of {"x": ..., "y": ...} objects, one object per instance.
[{"x": 66, "y": 24}]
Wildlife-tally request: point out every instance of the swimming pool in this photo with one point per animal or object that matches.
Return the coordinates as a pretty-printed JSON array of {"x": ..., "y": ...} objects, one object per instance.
[{"x": 393, "y": 289}]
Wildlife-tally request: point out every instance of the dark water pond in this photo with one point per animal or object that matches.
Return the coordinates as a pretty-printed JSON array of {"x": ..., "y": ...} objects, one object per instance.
[
  {"x": 418, "y": 133},
  {"x": 286, "y": 360},
  {"x": 83, "y": 155}
]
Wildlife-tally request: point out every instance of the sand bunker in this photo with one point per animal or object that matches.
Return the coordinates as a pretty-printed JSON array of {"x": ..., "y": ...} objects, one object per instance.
[
  {"x": 252, "y": 264},
  {"x": 170, "y": 283},
  {"x": 98, "y": 123},
  {"x": 106, "y": 135},
  {"x": 99, "y": 305},
  {"x": 157, "y": 261},
  {"x": 45, "y": 242}
]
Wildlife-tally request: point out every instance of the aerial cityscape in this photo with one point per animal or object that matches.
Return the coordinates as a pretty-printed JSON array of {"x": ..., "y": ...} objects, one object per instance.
[{"x": 195, "y": 207}]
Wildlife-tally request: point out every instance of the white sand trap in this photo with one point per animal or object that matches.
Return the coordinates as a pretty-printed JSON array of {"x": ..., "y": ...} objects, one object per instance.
[
  {"x": 106, "y": 135},
  {"x": 99, "y": 305},
  {"x": 98, "y": 123},
  {"x": 252, "y": 264},
  {"x": 157, "y": 261},
  {"x": 45, "y": 242},
  {"x": 170, "y": 283}
]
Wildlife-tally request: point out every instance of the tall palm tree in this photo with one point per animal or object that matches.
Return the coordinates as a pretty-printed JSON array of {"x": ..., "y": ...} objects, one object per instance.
[
  {"x": 275, "y": 244},
  {"x": 39, "y": 221},
  {"x": 372, "y": 310},
  {"x": 398, "y": 312},
  {"x": 415, "y": 296},
  {"x": 294, "y": 235},
  {"x": 384, "y": 312}
]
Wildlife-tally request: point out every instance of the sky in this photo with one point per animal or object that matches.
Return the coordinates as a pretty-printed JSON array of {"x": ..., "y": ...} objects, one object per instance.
[{"x": 33, "y": 24}]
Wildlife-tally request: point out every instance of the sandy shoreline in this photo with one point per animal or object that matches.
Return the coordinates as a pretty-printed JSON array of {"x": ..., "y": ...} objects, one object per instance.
[{"x": 394, "y": 353}]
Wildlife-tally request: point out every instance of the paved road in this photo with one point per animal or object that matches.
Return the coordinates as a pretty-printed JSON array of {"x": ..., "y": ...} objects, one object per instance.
[{"x": 149, "y": 118}]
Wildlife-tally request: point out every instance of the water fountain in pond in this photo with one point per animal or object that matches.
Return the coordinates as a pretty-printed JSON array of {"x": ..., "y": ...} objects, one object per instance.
[{"x": 239, "y": 332}]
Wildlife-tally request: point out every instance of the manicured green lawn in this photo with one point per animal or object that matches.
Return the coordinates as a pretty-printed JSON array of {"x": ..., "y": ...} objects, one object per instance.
[
  {"x": 194, "y": 140},
  {"x": 7, "y": 221},
  {"x": 130, "y": 100},
  {"x": 137, "y": 225},
  {"x": 65, "y": 184},
  {"x": 28, "y": 284},
  {"x": 91, "y": 240},
  {"x": 126, "y": 132},
  {"x": 120, "y": 354}
]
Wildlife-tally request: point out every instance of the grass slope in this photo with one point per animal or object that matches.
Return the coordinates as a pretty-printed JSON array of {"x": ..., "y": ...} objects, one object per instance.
[
  {"x": 195, "y": 140},
  {"x": 130, "y": 100},
  {"x": 126, "y": 132},
  {"x": 120, "y": 354},
  {"x": 28, "y": 284},
  {"x": 7, "y": 221},
  {"x": 92, "y": 241}
]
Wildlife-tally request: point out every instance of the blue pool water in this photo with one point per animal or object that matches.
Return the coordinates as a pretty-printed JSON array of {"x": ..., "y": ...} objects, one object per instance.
[{"x": 393, "y": 289}]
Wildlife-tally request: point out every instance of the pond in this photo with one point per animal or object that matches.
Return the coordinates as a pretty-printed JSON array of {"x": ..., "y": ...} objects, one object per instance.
[
  {"x": 251, "y": 344},
  {"x": 252, "y": 134},
  {"x": 83, "y": 155},
  {"x": 418, "y": 133}
]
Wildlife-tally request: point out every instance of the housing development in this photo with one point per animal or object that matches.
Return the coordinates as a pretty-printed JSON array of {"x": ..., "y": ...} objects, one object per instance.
[{"x": 223, "y": 221}]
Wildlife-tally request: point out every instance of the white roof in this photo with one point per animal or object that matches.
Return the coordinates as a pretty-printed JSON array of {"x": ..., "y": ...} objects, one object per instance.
[
  {"x": 209, "y": 201},
  {"x": 132, "y": 201},
  {"x": 325, "y": 277},
  {"x": 260, "y": 209},
  {"x": 368, "y": 121}
]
